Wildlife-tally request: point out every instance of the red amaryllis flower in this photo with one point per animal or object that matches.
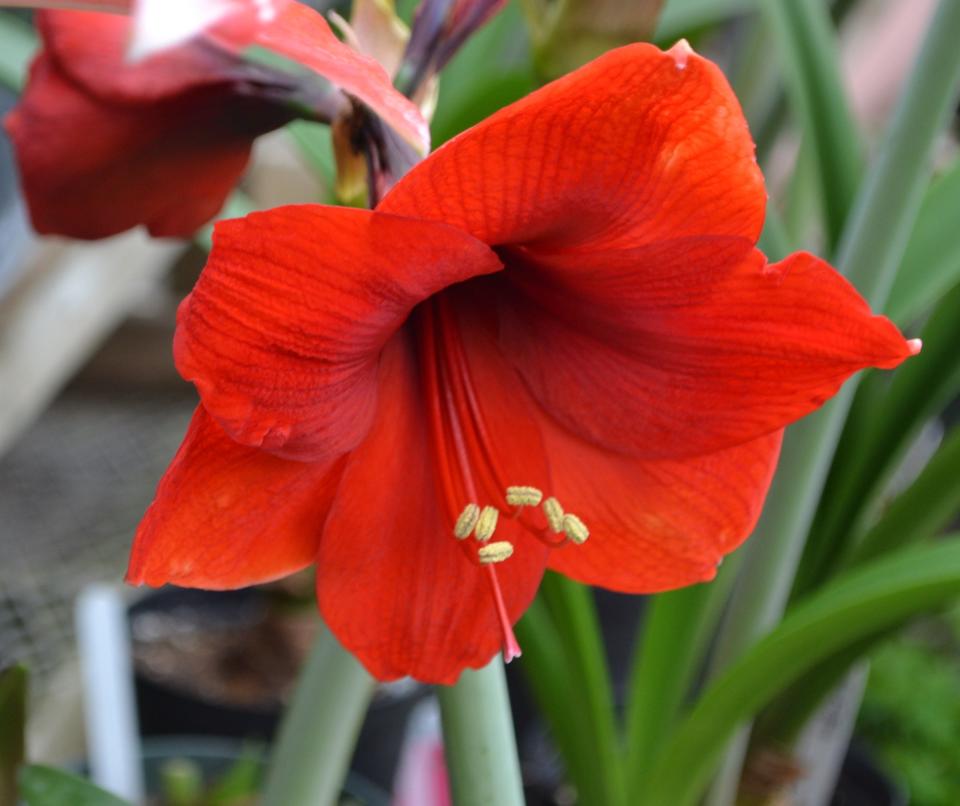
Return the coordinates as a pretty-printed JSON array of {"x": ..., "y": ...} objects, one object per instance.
[
  {"x": 104, "y": 145},
  {"x": 555, "y": 327}
]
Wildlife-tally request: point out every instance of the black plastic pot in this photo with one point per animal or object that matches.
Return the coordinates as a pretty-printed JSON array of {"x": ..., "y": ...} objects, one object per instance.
[
  {"x": 864, "y": 783},
  {"x": 165, "y": 709}
]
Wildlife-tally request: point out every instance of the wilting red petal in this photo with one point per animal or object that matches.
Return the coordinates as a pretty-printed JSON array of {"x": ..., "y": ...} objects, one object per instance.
[
  {"x": 656, "y": 525},
  {"x": 393, "y": 583},
  {"x": 90, "y": 169},
  {"x": 687, "y": 347},
  {"x": 638, "y": 146},
  {"x": 226, "y": 516},
  {"x": 302, "y": 34},
  {"x": 90, "y": 49},
  {"x": 161, "y": 24},
  {"x": 283, "y": 331}
]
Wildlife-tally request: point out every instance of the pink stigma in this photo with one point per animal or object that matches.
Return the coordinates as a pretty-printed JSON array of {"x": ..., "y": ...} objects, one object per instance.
[{"x": 511, "y": 649}]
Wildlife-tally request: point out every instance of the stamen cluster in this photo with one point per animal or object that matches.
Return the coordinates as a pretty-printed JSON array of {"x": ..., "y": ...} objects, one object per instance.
[{"x": 481, "y": 523}]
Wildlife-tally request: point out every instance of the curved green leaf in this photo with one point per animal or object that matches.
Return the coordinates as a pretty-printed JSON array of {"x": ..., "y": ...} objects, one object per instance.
[
  {"x": 931, "y": 265},
  {"x": 862, "y": 603},
  {"x": 882, "y": 423},
  {"x": 675, "y": 636},
  {"x": 48, "y": 786},
  {"x": 575, "y": 613},
  {"x": 808, "y": 44},
  {"x": 920, "y": 511},
  {"x": 548, "y": 671}
]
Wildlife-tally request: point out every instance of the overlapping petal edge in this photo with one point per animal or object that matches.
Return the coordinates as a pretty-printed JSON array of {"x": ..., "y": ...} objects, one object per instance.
[
  {"x": 104, "y": 145},
  {"x": 567, "y": 296}
]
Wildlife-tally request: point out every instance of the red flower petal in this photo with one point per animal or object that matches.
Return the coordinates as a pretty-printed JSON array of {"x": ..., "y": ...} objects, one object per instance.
[
  {"x": 302, "y": 34},
  {"x": 657, "y": 525},
  {"x": 481, "y": 414},
  {"x": 687, "y": 347},
  {"x": 226, "y": 516},
  {"x": 158, "y": 27},
  {"x": 283, "y": 331},
  {"x": 637, "y": 146},
  {"x": 90, "y": 49},
  {"x": 393, "y": 583},
  {"x": 90, "y": 169}
]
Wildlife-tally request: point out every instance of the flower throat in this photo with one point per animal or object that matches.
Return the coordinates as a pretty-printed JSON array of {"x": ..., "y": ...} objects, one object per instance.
[{"x": 458, "y": 431}]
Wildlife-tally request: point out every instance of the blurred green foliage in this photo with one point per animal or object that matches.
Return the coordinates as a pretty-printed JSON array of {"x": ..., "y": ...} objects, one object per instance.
[{"x": 911, "y": 711}]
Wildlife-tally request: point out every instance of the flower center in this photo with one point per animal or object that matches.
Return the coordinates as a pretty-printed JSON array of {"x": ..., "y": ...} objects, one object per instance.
[
  {"x": 482, "y": 524},
  {"x": 458, "y": 432}
]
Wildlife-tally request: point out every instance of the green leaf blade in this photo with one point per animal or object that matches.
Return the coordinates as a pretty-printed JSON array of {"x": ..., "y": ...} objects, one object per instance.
[
  {"x": 48, "y": 786},
  {"x": 808, "y": 44},
  {"x": 931, "y": 264},
  {"x": 863, "y": 603}
]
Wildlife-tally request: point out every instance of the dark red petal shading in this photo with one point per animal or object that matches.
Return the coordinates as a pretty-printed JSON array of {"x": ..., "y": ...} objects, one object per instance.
[
  {"x": 635, "y": 147},
  {"x": 302, "y": 34},
  {"x": 91, "y": 169},
  {"x": 686, "y": 347},
  {"x": 227, "y": 516},
  {"x": 90, "y": 49},
  {"x": 656, "y": 525},
  {"x": 393, "y": 583},
  {"x": 477, "y": 400},
  {"x": 283, "y": 330}
]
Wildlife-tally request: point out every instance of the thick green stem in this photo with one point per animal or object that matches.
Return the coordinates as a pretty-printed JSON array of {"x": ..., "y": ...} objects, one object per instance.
[
  {"x": 478, "y": 735},
  {"x": 319, "y": 731},
  {"x": 869, "y": 254}
]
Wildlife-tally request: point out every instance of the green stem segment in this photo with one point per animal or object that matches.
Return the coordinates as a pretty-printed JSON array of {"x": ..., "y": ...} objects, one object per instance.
[
  {"x": 478, "y": 735},
  {"x": 319, "y": 730}
]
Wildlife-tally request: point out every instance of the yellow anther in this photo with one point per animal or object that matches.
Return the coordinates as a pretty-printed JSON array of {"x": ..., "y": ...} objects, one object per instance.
[
  {"x": 486, "y": 524},
  {"x": 467, "y": 520},
  {"x": 554, "y": 513},
  {"x": 575, "y": 529},
  {"x": 523, "y": 496},
  {"x": 495, "y": 552}
]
